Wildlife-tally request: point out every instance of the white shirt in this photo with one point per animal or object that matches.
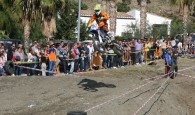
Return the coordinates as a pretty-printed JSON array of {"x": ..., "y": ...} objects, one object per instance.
[
  {"x": 91, "y": 51},
  {"x": 36, "y": 50},
  {"x": 179, "y": 45},
  {"x": 1, "y": 62},
  {"x": 5, "y": 57},
  {"x": 30, "y": 57}
]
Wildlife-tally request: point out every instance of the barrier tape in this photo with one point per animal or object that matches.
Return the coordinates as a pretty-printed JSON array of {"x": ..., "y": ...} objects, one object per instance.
[
  {"x": 37, "y": 69},
  {"x": 167, "y": 74},
  {"x": 186, "y": 75},
  {"x": 151, "y": 96},
  {"x": 129, "y": 92},
  {"x": 158, "y": 91},
  {"x": 20, "y": 62}
]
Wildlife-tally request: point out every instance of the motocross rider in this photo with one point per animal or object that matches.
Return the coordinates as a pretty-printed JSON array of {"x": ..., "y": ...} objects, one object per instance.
[{"x": 101, "y": 18}]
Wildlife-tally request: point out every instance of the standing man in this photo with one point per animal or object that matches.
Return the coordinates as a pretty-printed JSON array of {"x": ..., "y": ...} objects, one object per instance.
[
  {"x": 168, "y": 62},
  {"x": 174, "y": 59},
  {"x": 138, "y": 48},
  {"x": 86, "y": 57},
  {"x": 163, "y": 46},
  {"x": 52, "y": 60},
  {"x": 91, "y": 52}
]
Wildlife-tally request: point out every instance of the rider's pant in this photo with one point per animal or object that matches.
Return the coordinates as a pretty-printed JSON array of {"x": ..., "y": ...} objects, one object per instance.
[{"x": 104, "y": 33}]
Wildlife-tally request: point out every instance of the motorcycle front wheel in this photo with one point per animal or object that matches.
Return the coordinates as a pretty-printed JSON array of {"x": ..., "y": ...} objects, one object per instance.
[{"x": 98, "y": 47}]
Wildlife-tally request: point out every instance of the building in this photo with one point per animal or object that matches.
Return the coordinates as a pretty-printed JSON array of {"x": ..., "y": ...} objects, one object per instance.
[
  {"x": 152, "y": 20},
  {"x": 129, "y": 18}
]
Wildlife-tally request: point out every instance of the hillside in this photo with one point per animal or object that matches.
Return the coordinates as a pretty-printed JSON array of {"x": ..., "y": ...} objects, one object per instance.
[{"x": 159, "y": 7}]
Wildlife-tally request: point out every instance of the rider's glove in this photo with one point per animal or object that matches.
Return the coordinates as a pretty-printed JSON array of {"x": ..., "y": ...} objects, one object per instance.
[
  {"x": 87, "y": 29},
  {"x": 102, "y": 18}
]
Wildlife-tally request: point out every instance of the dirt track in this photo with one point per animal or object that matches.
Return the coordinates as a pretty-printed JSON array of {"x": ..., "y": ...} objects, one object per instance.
[{"x": 58, "y": 95}]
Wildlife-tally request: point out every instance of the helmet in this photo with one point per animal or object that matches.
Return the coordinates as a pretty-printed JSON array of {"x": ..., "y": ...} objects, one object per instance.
[{"x": 97, "y": 9}]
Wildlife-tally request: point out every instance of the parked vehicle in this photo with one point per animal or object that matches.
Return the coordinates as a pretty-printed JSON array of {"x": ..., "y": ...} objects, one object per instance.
[{"x": 8, "y": 42}]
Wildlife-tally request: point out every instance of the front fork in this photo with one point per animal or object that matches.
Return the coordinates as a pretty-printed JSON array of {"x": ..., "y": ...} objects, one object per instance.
[{"x": 99, "y": 37}]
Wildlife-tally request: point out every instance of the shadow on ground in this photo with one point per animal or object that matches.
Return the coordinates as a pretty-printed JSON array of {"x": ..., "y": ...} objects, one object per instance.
[{"x": 92, "y": 85}]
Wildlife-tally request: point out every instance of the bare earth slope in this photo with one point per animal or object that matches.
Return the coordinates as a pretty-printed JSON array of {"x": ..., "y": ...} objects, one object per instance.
[
  {"x": 158, "y": 7},
  {"x": 113, "y": 90}
]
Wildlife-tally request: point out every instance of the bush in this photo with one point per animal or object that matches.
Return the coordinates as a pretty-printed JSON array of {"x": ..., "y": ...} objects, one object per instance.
[
  {"x": 120, "y": 38},
  {"x": 121, "y": 7},
  {"x": 84, "y": 7}
]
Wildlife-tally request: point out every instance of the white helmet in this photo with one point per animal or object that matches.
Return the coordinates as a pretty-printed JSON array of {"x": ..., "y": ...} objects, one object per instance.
[{"x": 98, "y": 12}]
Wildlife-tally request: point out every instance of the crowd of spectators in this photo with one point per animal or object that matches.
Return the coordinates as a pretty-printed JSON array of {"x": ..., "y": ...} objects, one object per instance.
[{"x": 79, "y": 57}]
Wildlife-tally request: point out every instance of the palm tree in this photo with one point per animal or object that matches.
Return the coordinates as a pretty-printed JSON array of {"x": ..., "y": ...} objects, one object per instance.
[
  {"x": 9, "y": 18},
  {"x": 110, "y": 7},
  {"x": 30, "y": 10},
  {"x": 143, "y": 16},
  {"x": 185, "y": 7},
  {"x": 113, "y": 15}
]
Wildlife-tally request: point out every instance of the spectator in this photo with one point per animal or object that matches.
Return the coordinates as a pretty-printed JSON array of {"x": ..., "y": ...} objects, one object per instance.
[
  {"x": 119, "y": 58},
  {"x": 10, "y": 52},
  {"x": 174, "y": 59},
  {"x": 52, "y": 60},
  {"x": 152, "y": 49},
  {"x": 91, "y": 52},
  {"x": 43, "y": 64},
  {"x": 82, "y": 54},
  {"x": 1, "y": 64},
  {"x": 138, "y": 48},
  {"x": 168, "y": 62},
  {"x": 180, "y": 48},
  {"x": 2, "y": 47},
  {"x": 147, "y": 47},
  {"x": 63, "y": 56},
  {"x": 87, "y": 57},
  {"x": 163, "y": 46},
  {"x": 57, "y": 66},
  {"x": 31, "y": 65},
  {"x": 104, "y": 60},
  {"x": 76, "y": 52},
  {"x": 19, "y": 56},
  {"x": 132, "y": 45},
  {"x": 110, "y": 58},
  {"x": 61, "y": 45},
  {"x": 4, "y": 56},
  {"x": 157, "y": 47},
  {"x": 72, "y": 60}
]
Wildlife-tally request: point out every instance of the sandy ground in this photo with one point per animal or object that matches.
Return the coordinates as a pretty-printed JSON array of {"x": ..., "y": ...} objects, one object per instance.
[{"x": 113, "y": 90}]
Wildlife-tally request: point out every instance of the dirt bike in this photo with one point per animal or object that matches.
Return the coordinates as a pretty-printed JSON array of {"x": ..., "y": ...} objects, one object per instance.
[{"x": 101, "y": 44}]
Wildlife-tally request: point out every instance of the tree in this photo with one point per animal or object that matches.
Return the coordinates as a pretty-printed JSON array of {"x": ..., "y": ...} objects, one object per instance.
[
  {"x": 29, "y": 10},
  {"x": 143, "y": 15},
  {"x": 67, "y": 21},
  {"x": 112, "y": 15},
  {"x": 10, "y": 21},
  {"x": 36, "y": 32},
  {"x": 110, "y": 7},
  {"x": 185, "y": 6}
]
